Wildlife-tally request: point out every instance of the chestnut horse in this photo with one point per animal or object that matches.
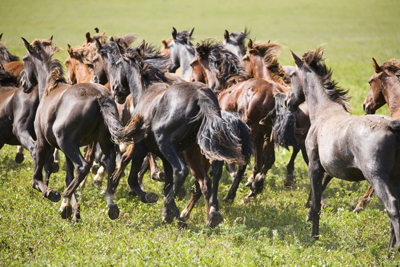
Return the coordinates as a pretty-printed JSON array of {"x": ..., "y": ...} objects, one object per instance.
[
  {"x": 384, "y": 87},
  {"x": 252, "y": 99},
  {"x": 261, "y": 61},
  {"x": 177, "y": 116},
  {"x": 351, "y": 148},
  {"x": 69, "y": 117}
]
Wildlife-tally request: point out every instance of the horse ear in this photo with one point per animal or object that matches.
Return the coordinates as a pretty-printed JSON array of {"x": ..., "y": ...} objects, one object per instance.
[
  {"x": 1, "y": 35},
  {"x": 226, "y": 35},
  {"x": 28, "y": 46},
  {"x": 98, "y": 44},
  {"x": 191, "y": 32},
  {"x": 174, "y": 33},
  {"x": 164, "y": 43},
  {"x": 376, "y": 66},
  {"x": 51, "y": 39},
  {"x": 104, "y": 32},
  {"x": 70, "y": 50},
  {"x": 120, "y": 47},
  {"x": 296, "y": 59},
  {"x": 111, "y": 39},
  {"x": 269, "y": 41},
  {"x": 87, "y": 35},
  {"x": 250, "y": 44}
]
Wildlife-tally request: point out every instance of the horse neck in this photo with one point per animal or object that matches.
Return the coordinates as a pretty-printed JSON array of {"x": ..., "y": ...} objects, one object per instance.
[
  {"x": 319, "y": 104},
  {"x": 259, "y": 69},
  {"x": 392, "y": 96},
  {"x": 41, "y": 77},
  {"x": 135, "y": 84},
  {"x": 185, "y": 58}
]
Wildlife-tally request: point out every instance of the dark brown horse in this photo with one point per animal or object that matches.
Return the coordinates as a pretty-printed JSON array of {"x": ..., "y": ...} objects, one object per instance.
[
  {"x": 178, "y": 117},
  {"x": 69, "y": 117},
  {"x": 384, "y": 88},
  {"x": 347, "y": 147},
  {"x": 80, "y": 69}
]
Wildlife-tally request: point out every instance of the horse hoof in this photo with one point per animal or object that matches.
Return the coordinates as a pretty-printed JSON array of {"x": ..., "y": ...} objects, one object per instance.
[
  {"x": 66, "y": 212},
  {"x": 54, "y": 196},
  {"x": 185, "y": 214},
  {"x": 250, "y": 181},
  {"x": 167, "y": 216},
  {"x": 158, "y": 176},
  {"x": 19, "y": 158},
  {"x": 214, "y": 219},
  {"x": 358, "y": 209},
  {"x": 151, "y": 197},
  {"x": 113, "y": 211},
  {"x": 55, "y": 167},
  {"x": 290, "y": 181},
  {"x": 182, "y": 224},
  {"x": 77, "y": 217}
]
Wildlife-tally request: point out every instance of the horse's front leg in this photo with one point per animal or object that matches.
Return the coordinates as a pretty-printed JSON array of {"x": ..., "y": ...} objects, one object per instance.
[{"x": 316, "y": 173}]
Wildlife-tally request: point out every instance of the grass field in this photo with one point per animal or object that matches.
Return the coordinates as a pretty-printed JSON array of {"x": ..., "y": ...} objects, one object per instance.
[{"x": 268, "y": 231}]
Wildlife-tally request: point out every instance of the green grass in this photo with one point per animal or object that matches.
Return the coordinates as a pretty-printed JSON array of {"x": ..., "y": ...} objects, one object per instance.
[{"x": 269, "y": 231}]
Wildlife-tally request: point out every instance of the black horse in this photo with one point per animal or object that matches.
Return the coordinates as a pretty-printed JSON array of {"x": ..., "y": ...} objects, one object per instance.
[
  {"x": 347, "y": 147},
  {"x": 177, "y": 118}
]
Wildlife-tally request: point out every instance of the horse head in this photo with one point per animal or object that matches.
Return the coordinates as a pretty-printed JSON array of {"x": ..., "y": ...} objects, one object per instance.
[
  {"x": 181, "y": 52},
  {"x": 234, "y": 42}
]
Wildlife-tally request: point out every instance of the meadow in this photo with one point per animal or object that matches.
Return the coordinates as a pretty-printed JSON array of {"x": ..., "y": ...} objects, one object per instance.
[{"x": 268, "y": 231}]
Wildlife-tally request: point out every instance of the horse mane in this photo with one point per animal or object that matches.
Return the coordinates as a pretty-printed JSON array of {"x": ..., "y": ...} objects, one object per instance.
[
  {"x": 392, "y": 66},
  {"x": 184, "y": 36},
  {"x": 229, "y": 69},
  {"x": 7, "y": 79},
  {"x": 5, "y": 55},
  {"x": 270, "y": 52},
  {"x": 54, "y": 80},
  {"x": 149, "y": 62},
  {"x": 315, "y": 60}
]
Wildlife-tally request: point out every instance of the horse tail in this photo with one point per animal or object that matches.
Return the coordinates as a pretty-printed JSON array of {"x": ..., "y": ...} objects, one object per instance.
[
  {"x": 131, "y": 132},
  {"x": 284, "y": 123},
  {"x": 216, "y": 139},
  {"x": 241, "y": 130}
]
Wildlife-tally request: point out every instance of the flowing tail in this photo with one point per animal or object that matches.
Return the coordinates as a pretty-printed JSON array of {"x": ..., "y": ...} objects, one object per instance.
[
  {"x": 131, "y": 132},
  {"x": 241, "y": 130},
  {"x": 215, "y": 138},
  {"x": 284, "y": 123}
]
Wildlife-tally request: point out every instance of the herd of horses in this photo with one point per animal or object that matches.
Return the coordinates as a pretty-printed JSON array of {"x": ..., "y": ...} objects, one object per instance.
[{"x": 196, "y": 108}]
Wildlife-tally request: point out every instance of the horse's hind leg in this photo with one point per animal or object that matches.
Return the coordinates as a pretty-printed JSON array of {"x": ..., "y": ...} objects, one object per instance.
[
  {"x": 215, "y": 217},
  {"x": 365, "y": 200},
  {"x": 19, "y": 156},
  {"x": 235, "y": 184},
  {"x": 290, "y": 168},
  {"x": 40, "y": 156},
  {"x": 391, "y": 202},
  {"x": 156, "y": 174}
]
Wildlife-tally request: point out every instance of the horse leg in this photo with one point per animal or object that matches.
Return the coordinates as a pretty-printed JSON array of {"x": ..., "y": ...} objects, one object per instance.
[
  {"x": 388, "y": 195},
  {"x": 235, "y": 184},
  {"x": 39, "y": 156},
  {"x": 215, "y": 217},
  {"x": 156, "y": 174},
  {"x": 82, "y": 168},
  {"x": 138, "y": 153},
  {"x": 268, "y": 159},
  {"x": 364, "y": 200},
  {"x": 89, "y": 157},
  {"x": 66, "y": 209},
  {"x": 143, "y": 169},
  {"x": 290, "y": 179},
  {"x": 108, "y": 161},
  {"x": 325, "y": 181},
  {"x": 231, "y": 168},
  {"x": 19, "y": 156},
  {"x": 196, "y": 194},
  {"x": 174, "y": 165},
  {"x": 56, "y": 161},
  {"x": 258, "y": 148}
]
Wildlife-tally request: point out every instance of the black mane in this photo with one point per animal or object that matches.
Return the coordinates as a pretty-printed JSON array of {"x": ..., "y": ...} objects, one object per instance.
[{"x": 5, "y": 55}]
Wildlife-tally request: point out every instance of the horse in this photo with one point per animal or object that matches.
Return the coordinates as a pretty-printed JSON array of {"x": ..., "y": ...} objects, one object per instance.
[
  {"x": 261, "y": 61},
  {"x": 251, "y": 98},
  {"x": 11, "y": 64},
  {"x": 80, "y": 67},
  {"x": 351, "y": 148},
  {"x": 181, "y": 52},
  {"x": 70, "y": 116},
  {"x": 384, "y": 87},
  {"x": 182, "y": 117},
  {"x": 234, "y": 42}
]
